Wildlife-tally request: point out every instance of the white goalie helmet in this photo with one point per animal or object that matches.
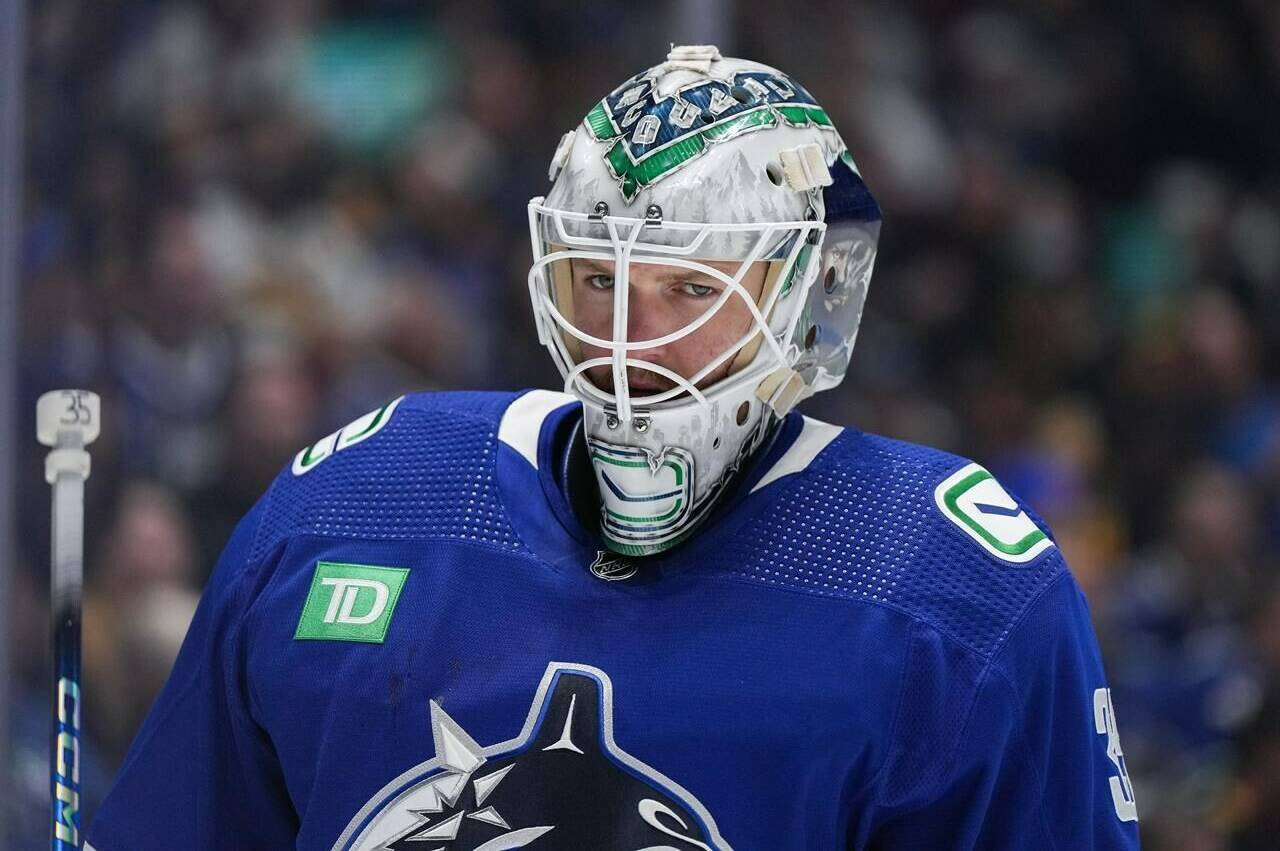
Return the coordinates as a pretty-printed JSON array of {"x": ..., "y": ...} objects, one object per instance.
[{"x": 700, "y": 266}]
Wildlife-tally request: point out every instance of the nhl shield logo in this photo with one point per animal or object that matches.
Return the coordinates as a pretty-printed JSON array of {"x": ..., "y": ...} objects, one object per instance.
[
  {"x": 561, "y": 783},
  {"x": 612, "y": 567}
]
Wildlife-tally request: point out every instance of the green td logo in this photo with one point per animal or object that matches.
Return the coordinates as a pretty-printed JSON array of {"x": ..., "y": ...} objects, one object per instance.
[{"x": 350, "y": 602}]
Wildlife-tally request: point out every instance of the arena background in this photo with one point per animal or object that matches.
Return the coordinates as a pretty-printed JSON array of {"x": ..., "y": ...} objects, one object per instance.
[{"x": 246, "y": 222}]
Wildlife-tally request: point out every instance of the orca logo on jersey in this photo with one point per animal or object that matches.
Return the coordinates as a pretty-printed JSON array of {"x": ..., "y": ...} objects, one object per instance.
[{"x": 561, "y": 783}]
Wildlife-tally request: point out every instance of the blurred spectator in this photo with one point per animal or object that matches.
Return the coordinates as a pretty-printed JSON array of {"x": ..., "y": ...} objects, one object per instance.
[
  {"x": 172, "y": 357},
  {"x": 1180, "y": 653},
  {"x": 272, "y": 412},
  {"x": 1253, "y": 808},
  {"x": 138, "y": 600}
]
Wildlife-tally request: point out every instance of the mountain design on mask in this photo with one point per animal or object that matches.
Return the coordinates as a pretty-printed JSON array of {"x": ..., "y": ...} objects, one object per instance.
[{"x": 562, "y": 783}]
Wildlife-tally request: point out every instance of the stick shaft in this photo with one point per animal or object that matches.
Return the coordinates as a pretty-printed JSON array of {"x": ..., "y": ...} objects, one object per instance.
[
  {"x": 67, "y": 421},
  {"x": 66, "y": 583},
  {"x": 68, "y": 540}
]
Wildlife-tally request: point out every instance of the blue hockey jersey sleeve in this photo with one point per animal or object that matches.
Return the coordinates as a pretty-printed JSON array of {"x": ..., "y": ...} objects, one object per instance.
[
  {"x": 1027, "y": 757},
  {"x": 201, "y": 774}
]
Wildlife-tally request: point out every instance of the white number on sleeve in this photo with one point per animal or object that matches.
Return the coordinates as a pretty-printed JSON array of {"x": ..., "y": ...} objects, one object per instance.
[{"x": 1104, "y": 721}]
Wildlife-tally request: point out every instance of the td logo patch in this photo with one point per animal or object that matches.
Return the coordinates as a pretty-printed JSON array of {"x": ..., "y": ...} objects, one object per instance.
[
  {"x": 562, "y": 783},
  {"x": 350, "y": 602},
  {"x": 972, "y": 499}
]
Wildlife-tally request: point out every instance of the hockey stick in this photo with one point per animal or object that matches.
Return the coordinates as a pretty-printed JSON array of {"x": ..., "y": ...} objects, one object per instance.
[{"x": 67, "y": 420}]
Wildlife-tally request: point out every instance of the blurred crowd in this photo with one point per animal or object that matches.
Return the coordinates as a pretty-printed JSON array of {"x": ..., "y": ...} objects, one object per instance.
[{"x": 249, "y": 221}]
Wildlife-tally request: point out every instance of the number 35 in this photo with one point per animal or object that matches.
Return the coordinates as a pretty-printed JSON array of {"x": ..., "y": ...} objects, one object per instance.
[
  {"x": 1104, "y": 721},
  {"x": 77, "y": 412}
]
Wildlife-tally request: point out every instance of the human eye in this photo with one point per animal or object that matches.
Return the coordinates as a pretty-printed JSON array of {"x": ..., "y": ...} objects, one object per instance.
[
  {"x": 696, "y": 290},
  {"x": 600, "y": 282}
]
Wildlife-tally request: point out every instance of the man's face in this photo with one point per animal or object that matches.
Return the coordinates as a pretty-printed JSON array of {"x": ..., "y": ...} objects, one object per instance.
[{"x": 663, "y": 299}]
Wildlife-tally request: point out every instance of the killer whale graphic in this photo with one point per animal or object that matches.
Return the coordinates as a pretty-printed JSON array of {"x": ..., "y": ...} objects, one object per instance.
[{"x": 562, "y": 783}]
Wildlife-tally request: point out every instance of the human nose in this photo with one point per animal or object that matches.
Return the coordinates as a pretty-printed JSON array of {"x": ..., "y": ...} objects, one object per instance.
[{"x": 647, "y": 319}]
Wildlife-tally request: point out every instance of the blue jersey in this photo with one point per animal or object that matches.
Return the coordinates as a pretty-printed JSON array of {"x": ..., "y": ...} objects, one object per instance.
[{"x": 413, "y": 642}]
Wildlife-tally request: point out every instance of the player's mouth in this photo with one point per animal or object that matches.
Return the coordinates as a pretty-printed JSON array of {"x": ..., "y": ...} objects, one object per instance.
[
  {"x": 647, "y": 388},
  {"x": 639, "y": 382}
]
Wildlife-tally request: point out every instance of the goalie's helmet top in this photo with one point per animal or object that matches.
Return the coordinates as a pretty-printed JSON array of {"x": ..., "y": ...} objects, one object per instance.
[{"x": 728, "y": 173}]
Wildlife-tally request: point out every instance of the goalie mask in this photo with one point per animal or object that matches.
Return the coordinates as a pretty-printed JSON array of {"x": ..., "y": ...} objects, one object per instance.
[{"x": 700, "y": 266}]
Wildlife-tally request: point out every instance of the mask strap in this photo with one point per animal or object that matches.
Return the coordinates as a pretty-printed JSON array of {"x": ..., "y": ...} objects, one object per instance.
[{"x": 782, "y": 389}]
